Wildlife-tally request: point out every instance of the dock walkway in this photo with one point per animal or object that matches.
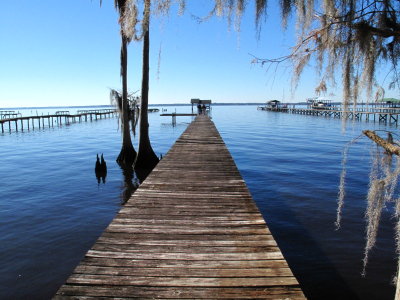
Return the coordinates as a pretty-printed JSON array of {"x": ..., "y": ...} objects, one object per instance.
[
  {"x": 383, "y": 114},
  {"x": 191, "y": 230},
  {"x": 12, "y": 118}
]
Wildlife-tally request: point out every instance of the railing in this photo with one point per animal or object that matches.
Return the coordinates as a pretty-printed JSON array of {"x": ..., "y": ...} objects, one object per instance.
[
  {"x": 9, "y": 114},
  {"x": 62, "y": 113}
]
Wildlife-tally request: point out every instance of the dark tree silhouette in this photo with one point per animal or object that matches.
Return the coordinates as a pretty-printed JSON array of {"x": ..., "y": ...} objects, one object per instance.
[
  {"x": 127, "y": 154},
  {"x": 146, "y": 158}
]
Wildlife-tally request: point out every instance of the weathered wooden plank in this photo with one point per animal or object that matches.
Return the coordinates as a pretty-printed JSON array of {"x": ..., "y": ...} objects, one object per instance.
[
  {"x": 188, "y": 212},
  {"x": 98, "y": 292},
  {"x": 187, "y": 256},
  {"x": 193, "y": 206},
  {"x": 182, "y": 282},
  {"x": 118, "y": 247},
  {"x": 182, "y": 272},
  {"x": 209, "y": 228},
  {"x": 190, "y": 231},
  {"x": 129, "y": 228},
  {"x": 176, "y": 263},
  {"x": 186, "y": 243},
  {"x": 231, "y": 219},
  {"x": 196, "y": 237},
  {"x": 123, "y": 219}
]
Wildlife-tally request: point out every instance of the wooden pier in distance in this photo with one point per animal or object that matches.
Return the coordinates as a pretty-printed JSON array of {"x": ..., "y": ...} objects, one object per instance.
[
  {"x": 190, "y": 231},
  {"x": 383, "y": 114},
  {"x": 59, "y": 118}
]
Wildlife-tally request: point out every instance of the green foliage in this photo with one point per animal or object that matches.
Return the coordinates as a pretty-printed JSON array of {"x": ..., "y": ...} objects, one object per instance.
[{"x": 393, "y": 100}]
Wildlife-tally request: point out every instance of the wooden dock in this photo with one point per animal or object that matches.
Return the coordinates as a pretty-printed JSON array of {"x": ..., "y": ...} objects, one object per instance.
[
  {"x": 385, "y": 115},
  {"x": 382, "y": 114},
  {"x": 16, "y": 122},
  {"x": 191, "y": 230}
]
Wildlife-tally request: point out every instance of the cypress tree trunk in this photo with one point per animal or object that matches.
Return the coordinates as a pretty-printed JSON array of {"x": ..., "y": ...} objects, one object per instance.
[
  {"x": 146, "y": 158},
  {"x": 397, "y": 294},
  {"x": 128, "y": 154}
]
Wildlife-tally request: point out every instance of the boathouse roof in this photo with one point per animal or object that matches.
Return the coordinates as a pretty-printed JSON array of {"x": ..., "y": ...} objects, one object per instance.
[{"x": 197, "y": 100}]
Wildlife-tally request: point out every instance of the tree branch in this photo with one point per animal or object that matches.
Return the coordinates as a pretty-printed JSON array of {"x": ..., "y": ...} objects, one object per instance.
[{"x": 388, "y": 146}]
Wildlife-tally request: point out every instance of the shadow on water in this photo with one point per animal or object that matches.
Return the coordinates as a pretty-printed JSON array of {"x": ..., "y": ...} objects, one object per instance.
[
  {"x": 315, "y": 272},
  {"x": 142, "y": 174},
  {"x": 131, "y": 183},
  {"x": 131, "y": 180}
]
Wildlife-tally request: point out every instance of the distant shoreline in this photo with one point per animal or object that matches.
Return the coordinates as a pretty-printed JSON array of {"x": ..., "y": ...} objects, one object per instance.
[{"x": 152, "y": 105}]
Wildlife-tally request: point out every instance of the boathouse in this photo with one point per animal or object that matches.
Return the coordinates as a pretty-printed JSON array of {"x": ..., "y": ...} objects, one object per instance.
[
  {"x": 197, "y": 101},
  {"x": 274, "y": 105},
  {"x": 319, "y": 103}
]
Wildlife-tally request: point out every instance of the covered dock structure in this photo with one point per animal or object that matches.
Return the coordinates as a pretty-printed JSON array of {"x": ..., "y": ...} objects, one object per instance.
[{"x": 197, "y": 101}]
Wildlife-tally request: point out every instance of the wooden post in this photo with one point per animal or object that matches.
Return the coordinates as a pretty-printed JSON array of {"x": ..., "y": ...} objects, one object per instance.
[{"x": 173, "y": 119}]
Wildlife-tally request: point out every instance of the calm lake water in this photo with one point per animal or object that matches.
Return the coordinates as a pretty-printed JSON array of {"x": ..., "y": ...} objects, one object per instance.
[{"x": 52, "y": 208}]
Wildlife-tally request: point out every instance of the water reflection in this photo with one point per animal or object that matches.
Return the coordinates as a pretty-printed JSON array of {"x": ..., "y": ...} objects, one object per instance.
[
  {"x": 101, "y": 179},
  {"x": 182, "y": 124},
  {"x": 100, "y": 169},
  {"x": 131, "y": 183},
  {"x": 142, "y": 174}
]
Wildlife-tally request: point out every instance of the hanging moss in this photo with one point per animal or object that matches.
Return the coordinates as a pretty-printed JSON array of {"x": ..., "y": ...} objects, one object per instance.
[{"x": 383, "y": 179}]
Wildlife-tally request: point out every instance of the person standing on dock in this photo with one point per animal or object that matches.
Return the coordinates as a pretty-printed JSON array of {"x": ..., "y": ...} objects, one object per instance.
[{"x": 203, "y": 109}]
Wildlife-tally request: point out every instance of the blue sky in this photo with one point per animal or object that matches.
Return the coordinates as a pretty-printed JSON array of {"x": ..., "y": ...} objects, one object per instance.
[{"x": 67, "y": 53}]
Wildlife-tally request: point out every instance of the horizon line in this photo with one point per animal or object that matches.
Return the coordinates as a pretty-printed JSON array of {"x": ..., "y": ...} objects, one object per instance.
[{"x": 157, "y": 104}]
